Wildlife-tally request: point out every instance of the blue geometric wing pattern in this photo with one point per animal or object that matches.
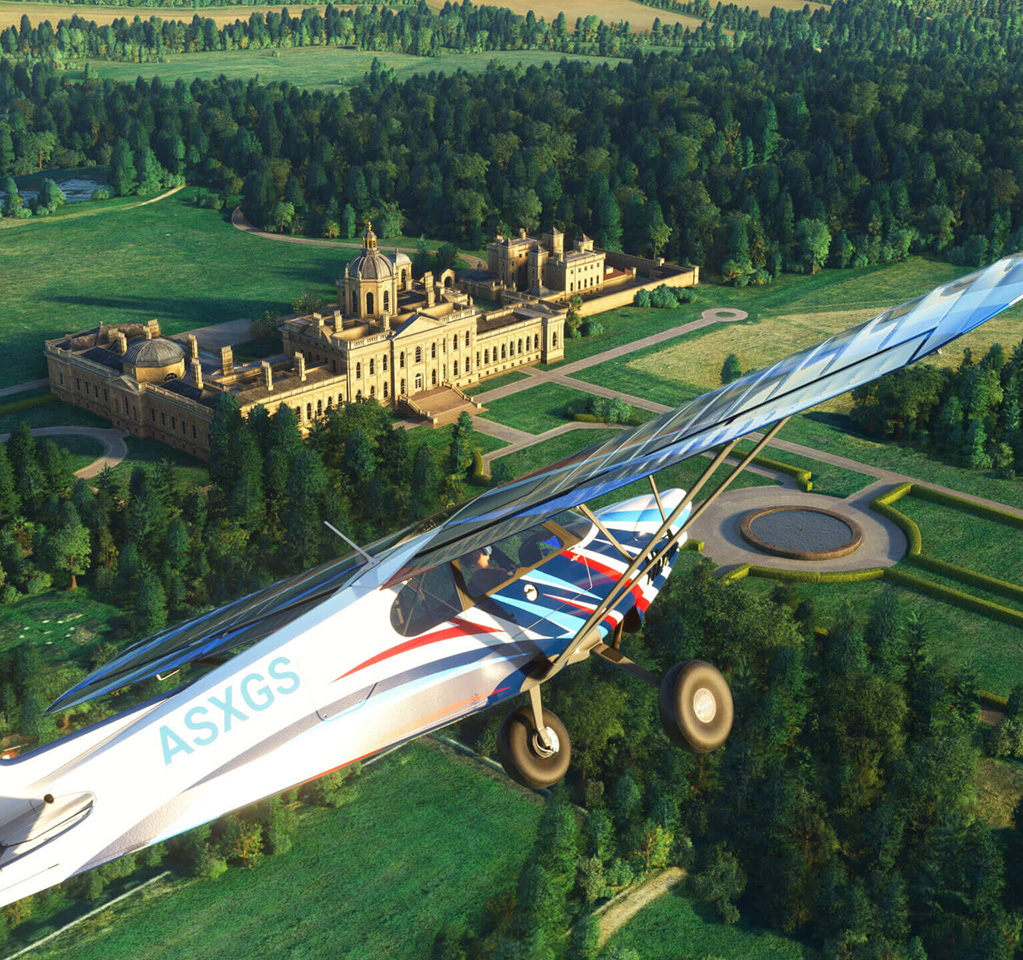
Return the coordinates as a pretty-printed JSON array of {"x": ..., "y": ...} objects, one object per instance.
[
  {"x": 214, "y": 633},
  {"x": 892, "y": 340}
]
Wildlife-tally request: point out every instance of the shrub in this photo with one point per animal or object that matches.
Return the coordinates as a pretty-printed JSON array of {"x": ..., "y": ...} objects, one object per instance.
[
  {"x": 642, "y": 298},
  {"x": 38, "y": 583},
  {"x": 101, "y": 193},
  {"x": 663, "y": 297},
  {"x": 585, "y": 418},
  {"x": 592, "y": 327}
]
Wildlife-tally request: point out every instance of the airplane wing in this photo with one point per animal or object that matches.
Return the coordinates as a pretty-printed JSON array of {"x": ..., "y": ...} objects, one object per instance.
[
  {"x": 894, "y": 339},
  {"x": 215, "y": 633}
]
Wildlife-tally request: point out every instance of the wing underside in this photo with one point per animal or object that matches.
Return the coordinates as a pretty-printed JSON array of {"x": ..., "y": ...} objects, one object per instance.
[{"x": 893, "y": 340}]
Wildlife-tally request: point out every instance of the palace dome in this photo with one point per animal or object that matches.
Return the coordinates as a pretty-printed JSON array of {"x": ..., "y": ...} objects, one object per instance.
[
  {"x": 371, "y": 265},
  {"x": 159, "y": 352}
]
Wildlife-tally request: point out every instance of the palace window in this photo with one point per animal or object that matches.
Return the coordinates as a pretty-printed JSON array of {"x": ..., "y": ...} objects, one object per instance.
[
  {"x": 419, "y": 354},
  {"x": 504, "y": 351},
  {"x": 372, "y": 389},
  {"x": 358, "y": 396},
  {"x": 486, "y": 357},
  {"x": 174, "y": 423},
  {"x": 455, "y": 368},
  {"x": 419, "y": 382},
  {"x": 369, "y": 303},
  {"x": 477, "y": 358},
  {"x": 520, "y": 344},
  {"x": 401, "y": 388},
  {"x": 385, "y": 363},
  {"x": 401, "y": 360},
  {"x": 554, "y": 339},
  {"x": 358, "y": 371},
  {"x": 104, "y": 394},
  {"x": 372, "y": 367},
  {"x": 163, "y": 417},
  {"x": 61, "y": 378},
  {"x": 468, "y": 364},
  {"x": 152, "y": 415},
  {"x": 433, "y": 350},
  {"x": 536, "y": 341},
  {"x": 193, "y": 431},
  {"x": 333, "y": 366},
  {"x": 319, "y": 407},
  {"x": 330, "y": 403},
  {"x": 385, "y": 389},
  {"x": 78, "y": 384},
  {"x": 454, "y": 342},
  {"x": 433, "y": 377},
  {"x": 308, "y": 411},
  {"x": 387, "y": 300}
]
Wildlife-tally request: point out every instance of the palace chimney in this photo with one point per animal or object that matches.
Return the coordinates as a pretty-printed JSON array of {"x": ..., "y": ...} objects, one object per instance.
[
  {"x": 193, "y": 347},
  {"x": 268, "y": 376},
  {"x": 197, "y": 373},
  {"x": 226, "y": 361},
  {"x": 154, "y": 330},
  {"x": 122, "y": 343},
  {"x": 300, "y": 366}
]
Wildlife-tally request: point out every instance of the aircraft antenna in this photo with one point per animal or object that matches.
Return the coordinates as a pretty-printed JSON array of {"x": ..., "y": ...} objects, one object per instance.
[{"x": 350, "y": 543}]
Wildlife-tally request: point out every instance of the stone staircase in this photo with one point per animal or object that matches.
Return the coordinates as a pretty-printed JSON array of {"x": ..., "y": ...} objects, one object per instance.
[{"x": 440, "y": 405}]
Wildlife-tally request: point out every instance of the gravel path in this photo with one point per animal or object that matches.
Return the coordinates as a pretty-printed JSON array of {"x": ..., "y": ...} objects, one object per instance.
[
  {"x": 619, "y": 911},
  {"x": 111, "y": 438}
]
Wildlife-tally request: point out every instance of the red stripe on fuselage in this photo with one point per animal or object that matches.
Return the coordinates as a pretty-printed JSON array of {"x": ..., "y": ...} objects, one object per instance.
[
  {"x": 461, "y": 628},
  {"x": 641, "y": 602}
]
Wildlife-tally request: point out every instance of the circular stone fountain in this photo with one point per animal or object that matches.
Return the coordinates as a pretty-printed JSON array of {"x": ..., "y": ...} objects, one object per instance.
[{"x": 800, "y": 533}]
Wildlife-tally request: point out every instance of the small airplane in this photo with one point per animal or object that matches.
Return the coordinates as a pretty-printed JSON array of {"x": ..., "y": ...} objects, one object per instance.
[{"x": 469, "y": 609}]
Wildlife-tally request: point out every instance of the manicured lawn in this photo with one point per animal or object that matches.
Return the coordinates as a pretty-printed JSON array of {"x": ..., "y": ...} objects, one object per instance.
[
  {"x": 957, "y": 636},
  {"x": 430, "y": 837},
  {"x": 626, "y": 325},
  {"x": 322, "y": 67},
  {"x": 499, "y": 381},
  {"x": 538, "y": 409},
  {"x": 673, "y": 927},
  {"x": 633, "y": 373},
  {"x": 81, "y": 450},
  {"x": 833, "y": 434},
  {"x": 829, "y": 480},
  {"x": 141, "y": 263},
  {"x": 550, "y": 451},
  {"x": 51, "y": 415},
  {"x": 963, "y": 538}
]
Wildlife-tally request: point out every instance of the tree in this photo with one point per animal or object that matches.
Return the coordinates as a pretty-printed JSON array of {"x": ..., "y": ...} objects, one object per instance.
[
  {"x": 71, "y": 544},
  {"x": 461, "y": 452},
  {"x": 50, "y": 196},
  {"x": 813, "y": 244},
  {"x": 265, "y": 326},
  {"x": 149, "y": 613},
  {"x": 731, "y": 369},
  {"x": 282, "y": 215},
  {"x": 658, "y": 233},
  {"x": 123, "y": 175}
]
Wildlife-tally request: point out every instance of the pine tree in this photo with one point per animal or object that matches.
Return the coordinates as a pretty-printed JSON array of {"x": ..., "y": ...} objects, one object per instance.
[
  {"x": 71, "y": 544},
  {"x": 731, "y": 369},
  {"x": 10, "y": 502}
]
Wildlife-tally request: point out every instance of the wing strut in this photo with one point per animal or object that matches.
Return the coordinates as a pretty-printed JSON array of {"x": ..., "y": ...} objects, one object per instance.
[{"x": 653, "y": 553}]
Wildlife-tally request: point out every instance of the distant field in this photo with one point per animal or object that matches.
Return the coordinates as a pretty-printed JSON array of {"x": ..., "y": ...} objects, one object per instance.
[
  {"x": 319, "y": 67},
  {"x": 640, "y": 17},
  {"x": 539, "y": 408},
  {"x": 431, "y": 837}
]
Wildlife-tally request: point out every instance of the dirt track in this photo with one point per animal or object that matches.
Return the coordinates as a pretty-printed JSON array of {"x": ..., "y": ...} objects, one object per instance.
[{"x": 625, "y": 906}]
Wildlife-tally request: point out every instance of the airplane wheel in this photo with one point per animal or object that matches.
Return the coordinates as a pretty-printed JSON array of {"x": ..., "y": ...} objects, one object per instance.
[
  {"x": 523, "y": 755},
  {"x": 695, "y": 706}
]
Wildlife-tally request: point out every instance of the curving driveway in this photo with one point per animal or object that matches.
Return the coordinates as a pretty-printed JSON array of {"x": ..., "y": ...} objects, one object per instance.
[{"x": 111, "y": 438}]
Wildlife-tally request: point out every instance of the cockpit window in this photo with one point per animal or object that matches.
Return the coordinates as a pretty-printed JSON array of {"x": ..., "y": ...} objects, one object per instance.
[
  {"x": 426, "y": 601},
  {"x": 489, "y": 568}
]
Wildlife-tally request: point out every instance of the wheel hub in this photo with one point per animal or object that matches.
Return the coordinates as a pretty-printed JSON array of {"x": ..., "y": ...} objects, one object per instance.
[
  {"x": 540, "y": 750},
  {"x": 704, "y": 705}
]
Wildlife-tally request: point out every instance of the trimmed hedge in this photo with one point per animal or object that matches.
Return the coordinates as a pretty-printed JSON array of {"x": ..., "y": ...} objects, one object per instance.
[
  {"x": 951, "y": 500},
  {"x": 28, "y": 403},
  {"x": 696, "y": 545},
  {"x": 953, "y": 572},
  {"x": 883, "y": 506},
  {"x": 478, "y": 478},
  {"x": 804, "y": 478},
  {"x": 585, "y": 418},
  {"x": 804, "y": 576},
  {"x": 988, "y": 699},
  {"x": 950, "y": 595}
]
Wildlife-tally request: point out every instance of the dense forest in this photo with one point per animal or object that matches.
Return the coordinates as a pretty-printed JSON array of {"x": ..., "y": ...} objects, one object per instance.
[
  {"x": 851, "y": 136},
  {"x": 970, "y": 415},
  {"x": 842, "y": 808}
]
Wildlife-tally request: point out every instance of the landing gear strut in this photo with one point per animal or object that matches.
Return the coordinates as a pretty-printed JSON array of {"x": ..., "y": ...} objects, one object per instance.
[
  {"x": 530, "y": 757},
  {"x": 695, "y": 706}
]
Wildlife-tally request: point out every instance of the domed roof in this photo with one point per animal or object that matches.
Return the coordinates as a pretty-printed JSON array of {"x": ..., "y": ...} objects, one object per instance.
[
  {"x": 400, "y": 258},
  {"x": 371, "y": 265},
  {"x": 160, "y": 352}
]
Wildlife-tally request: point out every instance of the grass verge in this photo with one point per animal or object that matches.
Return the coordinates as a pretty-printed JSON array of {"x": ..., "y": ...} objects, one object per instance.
[
  {"x": 431, "y": 836},
  {"x": 538, "y": 409}
]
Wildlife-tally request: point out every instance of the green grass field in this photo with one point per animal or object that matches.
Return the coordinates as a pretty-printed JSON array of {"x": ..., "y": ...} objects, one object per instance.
[
  {"x": 999, "y": 789},
  {"x": 550, "y": 451},
  {"x": 439, "y": 439},
  {"x": 673, "y": 927},
  {"x": 627, "y": 325},
  {"x": 963, "y": 538},
  {"x": 81, "y": 450},
  {"x": 501, "y": 380},
  {"x": 51, "y": 415},
  {"x": 828, "y": 479},
  {"x": 431, "y": 836},
  {"x": 142, "y": 263},
  {"x": 538, "y": 409},
  {"x": 319, "y": 67}
]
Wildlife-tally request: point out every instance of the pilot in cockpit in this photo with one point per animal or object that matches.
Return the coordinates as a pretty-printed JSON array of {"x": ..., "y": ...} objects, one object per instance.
[{"x": 487, "y": 572}]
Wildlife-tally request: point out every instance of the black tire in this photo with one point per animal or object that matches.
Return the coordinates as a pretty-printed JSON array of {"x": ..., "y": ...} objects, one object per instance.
[
  {"x": 695, "y": 706},
  {"x": 519, "y": 749}
]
